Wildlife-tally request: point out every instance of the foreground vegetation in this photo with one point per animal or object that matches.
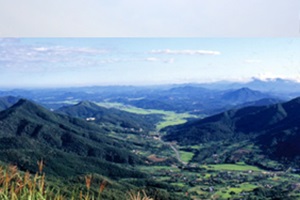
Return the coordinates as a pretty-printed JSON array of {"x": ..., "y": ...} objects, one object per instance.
[
  {"x": 220, "y": 181},
  {"x": 17, "y": 185}
]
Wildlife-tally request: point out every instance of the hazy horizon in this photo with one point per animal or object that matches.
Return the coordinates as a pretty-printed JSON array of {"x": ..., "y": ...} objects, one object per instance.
[{"x": 225, "y": 82}]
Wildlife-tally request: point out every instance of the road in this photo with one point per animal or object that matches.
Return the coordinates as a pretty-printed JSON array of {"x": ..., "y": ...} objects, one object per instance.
[
  {"x": 176, "y": 153},
  {"x": 174, "y": 149}
]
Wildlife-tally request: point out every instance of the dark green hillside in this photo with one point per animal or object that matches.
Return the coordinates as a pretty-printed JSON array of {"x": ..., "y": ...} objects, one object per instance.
[
  {"x": 275, "y": 129},
  {"x": 69, "y": 146},
  {"x": 7, "y": 101},
  {"x": 261, "y": 102},
  {"x": 112, "y": 116},
  {"x": 284, "y": 138},
  {"x": 233, "y": 124},
  {"x": 243, "y": 95},
  {"x": 214, "y": 128}
]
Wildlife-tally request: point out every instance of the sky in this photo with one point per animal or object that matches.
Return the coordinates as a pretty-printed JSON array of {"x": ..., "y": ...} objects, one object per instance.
[
  {"x": 64, "y": 62},
  {"x": 132, "y": 42},
  {"x": 155, "y": 18}
]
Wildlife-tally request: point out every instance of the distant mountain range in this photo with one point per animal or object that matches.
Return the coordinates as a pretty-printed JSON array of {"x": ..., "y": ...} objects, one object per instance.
[
  {"x": 275, "y": 129},
  {"x": 29, "y": 132},
  {"x": 196, "y": 100},
  {"x": 277, "y": 85},
  {"x": 204, "y": 98},
  {"x": 7, "y": 101}
]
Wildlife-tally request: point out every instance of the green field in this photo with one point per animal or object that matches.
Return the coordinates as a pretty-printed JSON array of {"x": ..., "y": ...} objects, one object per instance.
[
  {"x": 153, "y": 169},
  {"x": 233, "y": 167},
  {"x": 186, "y": 156},
  {"x": 225, "y": 193}
]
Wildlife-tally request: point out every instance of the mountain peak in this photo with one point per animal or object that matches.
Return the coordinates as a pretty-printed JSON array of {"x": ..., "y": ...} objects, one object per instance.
[
  {"x": 24, "y": 102},
  {"x": 244, "y": 89},
  {"x": 84, "y": 103},
  {"x": 87, "y": 104},
  {"x": 243, "y": 94},
  {"x": 27, "y": 109}
]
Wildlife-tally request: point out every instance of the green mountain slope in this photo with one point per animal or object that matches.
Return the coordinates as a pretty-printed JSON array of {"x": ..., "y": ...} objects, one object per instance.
[
  {"x": 261, "y": 102},
  {"x": 274, "y": 129},
  {"x": 69, "y": 146}
]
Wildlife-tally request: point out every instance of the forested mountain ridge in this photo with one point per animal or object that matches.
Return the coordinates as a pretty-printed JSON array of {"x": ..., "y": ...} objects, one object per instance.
[
  {"x": 100, "y": 115},
  {"x": 274, "y": 128},
  {"x": 29, "y": 132},
  {"x": 260, "y": 102}
]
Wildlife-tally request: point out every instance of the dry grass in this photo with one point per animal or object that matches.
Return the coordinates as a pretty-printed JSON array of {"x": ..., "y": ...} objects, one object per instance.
[
  {"x": 16, "y": 185},
  {"x": 138, "y": 196}
]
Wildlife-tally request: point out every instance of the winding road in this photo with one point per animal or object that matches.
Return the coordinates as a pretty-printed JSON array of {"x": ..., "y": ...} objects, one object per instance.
[{"x": 174, "y": 149}]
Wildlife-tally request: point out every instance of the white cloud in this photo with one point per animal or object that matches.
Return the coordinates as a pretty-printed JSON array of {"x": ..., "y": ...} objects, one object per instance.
[
  {"x": 171, "y": 60},
  {"x": 185, "y": 52},
  {"x": 152, "y": 59},
  {"x": 16, "y": 55},
  {"x": 40, "y": 49},
  {"x": 252, "y": 61},
  {"x": 164, "y": 60},
  {"x": 267, "y": 76}
]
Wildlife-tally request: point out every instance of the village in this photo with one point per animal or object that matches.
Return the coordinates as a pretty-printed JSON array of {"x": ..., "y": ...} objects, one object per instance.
[{"x": 207, "y": 182}]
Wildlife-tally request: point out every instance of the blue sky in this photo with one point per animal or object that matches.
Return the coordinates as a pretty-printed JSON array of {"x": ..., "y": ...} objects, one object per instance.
[
  {"x": 155, "y": 18},
  {"x": 63, "y": 62}
]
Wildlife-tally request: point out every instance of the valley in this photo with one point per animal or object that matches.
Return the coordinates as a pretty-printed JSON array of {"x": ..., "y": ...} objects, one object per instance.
[
  {"x": 237, "y": 144},
  {"x": 210, "y": 178}
]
